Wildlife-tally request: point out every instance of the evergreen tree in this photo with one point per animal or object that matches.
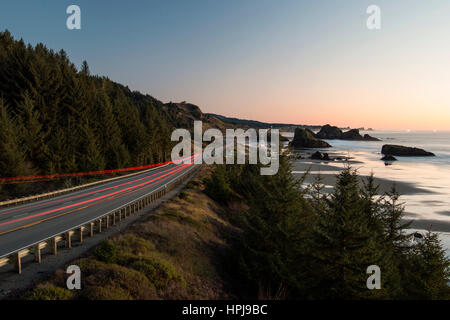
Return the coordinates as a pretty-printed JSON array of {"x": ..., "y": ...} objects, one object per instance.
[
  {"x": 93, "y": 158},
  {"x": 109, "y": 135},
  {"x": 427, "y": 272},
  {"x": 343, "y": 243},
  {"x": 31, "y": 133},
  {"x": 12, "y": 157},
  {"x": 85, "y": 69}
]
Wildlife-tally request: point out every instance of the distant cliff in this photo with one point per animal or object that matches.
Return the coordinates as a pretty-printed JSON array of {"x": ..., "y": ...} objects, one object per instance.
[{"x": 263, "y": 125}]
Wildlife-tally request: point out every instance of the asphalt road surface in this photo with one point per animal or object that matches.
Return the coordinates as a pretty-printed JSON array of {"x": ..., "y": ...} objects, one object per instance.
[{"x": 27, "y": 224}]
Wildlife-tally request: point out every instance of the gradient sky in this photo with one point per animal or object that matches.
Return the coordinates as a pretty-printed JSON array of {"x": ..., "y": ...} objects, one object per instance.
[{"x": 308, "y": 62}]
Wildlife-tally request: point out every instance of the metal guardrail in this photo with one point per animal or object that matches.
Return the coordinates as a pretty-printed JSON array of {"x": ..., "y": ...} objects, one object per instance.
[
  {"x": 91, "y": 225},
  {"x": 15, "y": 202}
]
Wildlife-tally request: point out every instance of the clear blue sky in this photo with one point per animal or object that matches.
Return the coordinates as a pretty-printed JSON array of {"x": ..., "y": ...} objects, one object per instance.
[{"x": 270, "y": 60}]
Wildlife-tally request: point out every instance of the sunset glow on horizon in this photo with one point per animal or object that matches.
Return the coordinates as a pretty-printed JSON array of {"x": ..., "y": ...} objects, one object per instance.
[{"x": 285, "y": 61}]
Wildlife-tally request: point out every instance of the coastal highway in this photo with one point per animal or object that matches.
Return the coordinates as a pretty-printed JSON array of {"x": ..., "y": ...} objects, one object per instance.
[{"x": 27, "y": 224}]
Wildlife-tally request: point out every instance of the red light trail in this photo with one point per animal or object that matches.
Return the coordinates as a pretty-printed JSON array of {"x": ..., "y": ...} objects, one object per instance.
[{"x": 95, "y": 199}]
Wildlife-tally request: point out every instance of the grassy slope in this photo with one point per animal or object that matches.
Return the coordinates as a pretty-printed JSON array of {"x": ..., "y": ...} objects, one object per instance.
[{"x": 177, "y": 252}]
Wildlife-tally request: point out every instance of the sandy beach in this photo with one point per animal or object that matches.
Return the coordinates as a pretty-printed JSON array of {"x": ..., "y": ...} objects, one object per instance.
[{"x": 328, "y": 173}]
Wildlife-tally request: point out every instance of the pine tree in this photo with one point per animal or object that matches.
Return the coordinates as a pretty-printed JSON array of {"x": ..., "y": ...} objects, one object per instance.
[
  {"x": 428, "y": 270},
  {"x": 109, "y": 135},
  {"x": 93, "y": 159},
  {"x": 85, "y": 69},
  {"x": 277, "y": 228},
  {"x": 391, "y": 217},
  {"x": 343, "y": 243},
  {"x": 31, "y": 133},
  {"x": 12, "y": 157}
]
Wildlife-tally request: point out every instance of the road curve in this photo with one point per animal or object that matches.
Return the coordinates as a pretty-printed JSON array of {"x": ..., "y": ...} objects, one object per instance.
[{"x": 30, "y": 223}]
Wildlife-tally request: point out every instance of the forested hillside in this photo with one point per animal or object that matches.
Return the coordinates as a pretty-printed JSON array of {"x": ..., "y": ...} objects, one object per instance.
[{"x": 57, "y": 118}]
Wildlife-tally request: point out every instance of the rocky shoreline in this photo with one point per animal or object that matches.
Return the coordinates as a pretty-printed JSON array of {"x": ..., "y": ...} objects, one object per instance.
[
  {"x": 307, "y": 139},
  {"x": 329, "y": 132}
]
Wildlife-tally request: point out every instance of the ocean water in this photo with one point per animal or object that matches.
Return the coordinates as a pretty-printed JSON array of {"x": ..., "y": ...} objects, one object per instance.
[{"x": 430, "y": 174}]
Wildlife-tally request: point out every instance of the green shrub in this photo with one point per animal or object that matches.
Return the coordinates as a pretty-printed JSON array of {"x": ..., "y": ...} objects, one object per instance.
[
  {"x": 108, "y": 292},
  {"x": 106, "y": 252},
  {"x": 218, "y": 186},
  {"x": 113, "y": 282},
  {"x": 158, "y": 271},
  {"x": 49, "y": 292},
  {"x": 130, "y": 243}
]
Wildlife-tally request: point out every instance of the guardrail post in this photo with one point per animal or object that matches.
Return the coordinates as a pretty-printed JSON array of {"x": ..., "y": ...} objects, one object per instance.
[
  {"x": 81, "y": 234},
  {"x": 54, "y": 246},
  {"x": 91, "y": 229},
  {"x": 99, "y": 225},
  {"x": 37, "y": 253},
  {"x": 114, "y": 219},
  {"x": 69, "y": 239},
  {"x": 19, "y": 263},
  {"x": 107, "y": 222},
  {"x": 19, "y": 257}
]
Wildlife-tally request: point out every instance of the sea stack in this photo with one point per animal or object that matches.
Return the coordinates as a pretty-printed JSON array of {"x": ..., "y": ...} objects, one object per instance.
[
  {"x": 402, "y": 151},
  {"x": 305, "y": 138},
  {"x": 329, "y": 132},
  {"x": 332, "y": 132}
]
